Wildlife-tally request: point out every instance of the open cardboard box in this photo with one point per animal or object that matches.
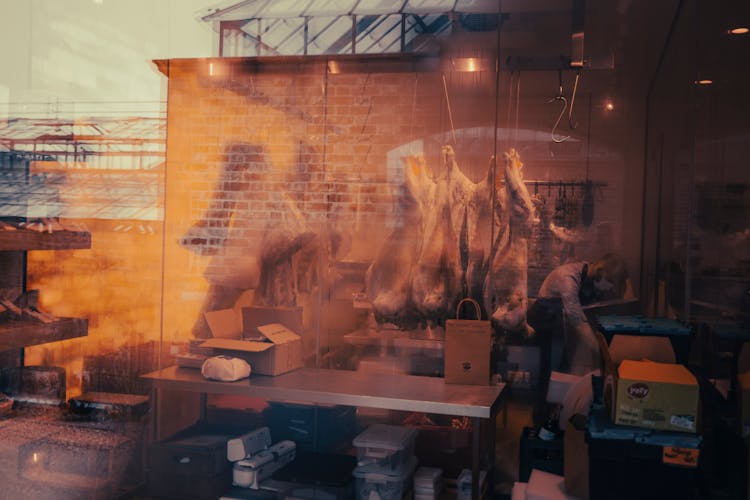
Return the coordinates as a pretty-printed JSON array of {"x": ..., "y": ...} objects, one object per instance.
[
  {"x": 228, "y": 323},
  {"x": 283, "y": 352}
]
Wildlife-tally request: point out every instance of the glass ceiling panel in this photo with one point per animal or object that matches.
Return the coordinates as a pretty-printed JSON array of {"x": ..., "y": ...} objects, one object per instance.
[
  {"x": 268, "y": 9},
  {"x": 382, "y": 36},
  {"x": 280, "y": 24},
  {"x": 325, "y": 31}
]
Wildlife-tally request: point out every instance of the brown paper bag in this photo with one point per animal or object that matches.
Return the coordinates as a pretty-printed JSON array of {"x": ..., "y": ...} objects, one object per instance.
[{"x": 467, "y": 348}]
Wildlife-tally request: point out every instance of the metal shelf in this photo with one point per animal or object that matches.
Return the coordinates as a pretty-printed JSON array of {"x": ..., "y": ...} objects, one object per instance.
[
  {"x": 27, "y": 239},
  {"x": 15, "y": 334}
]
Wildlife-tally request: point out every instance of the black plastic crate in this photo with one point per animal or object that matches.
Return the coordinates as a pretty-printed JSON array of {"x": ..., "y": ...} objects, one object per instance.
[
  {"x": 177, "y": 485},
  {"x": 624, "y": 469},
  {"x": 536, "y": 453},
  {"x": 312, "y": 428},
  {"x": 323, "y": 475},
  {"x": 192, "y": 464},
  {"x": 631, "y": 462}
]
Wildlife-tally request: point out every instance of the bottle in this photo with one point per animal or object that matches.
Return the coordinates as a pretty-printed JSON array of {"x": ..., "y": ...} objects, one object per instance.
[{"x": 551, "y": 427}]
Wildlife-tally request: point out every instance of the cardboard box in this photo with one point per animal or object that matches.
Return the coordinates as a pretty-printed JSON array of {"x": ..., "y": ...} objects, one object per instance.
[
  {"x": 743, "y": 400},
  {"x": 282, "y": 354},
  {"x": 255, "y": 316},
  {"x": 546, "y": 486},
  {"x": 559, "y": 386},
  {"x": 661, "y": 396},
  {"x": 576, "y": 458},
  {"x": 224, "y": 323}
]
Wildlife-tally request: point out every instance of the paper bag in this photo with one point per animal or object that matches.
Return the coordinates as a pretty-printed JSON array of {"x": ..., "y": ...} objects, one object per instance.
[{"x": 467, "y": 348}]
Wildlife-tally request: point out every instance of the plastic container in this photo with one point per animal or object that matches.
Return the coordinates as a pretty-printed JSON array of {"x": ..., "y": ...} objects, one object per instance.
[
  {"x": 319, "y": 428},
  {"x": 428, "y": 479},
  {"x": 378, "y": 485},
  {"x": 385, "y": 448}
]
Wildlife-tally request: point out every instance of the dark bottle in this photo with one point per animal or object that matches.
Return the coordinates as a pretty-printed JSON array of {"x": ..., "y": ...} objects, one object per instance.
[{"x": 551, "y": 427}]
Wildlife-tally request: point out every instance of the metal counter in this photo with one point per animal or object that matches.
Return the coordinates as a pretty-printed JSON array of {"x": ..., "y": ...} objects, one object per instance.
[{"x": 340, "y": 387}]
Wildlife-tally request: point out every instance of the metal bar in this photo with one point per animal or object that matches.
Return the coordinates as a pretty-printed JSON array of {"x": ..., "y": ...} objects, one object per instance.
[
  {"x": 646, "y": 132},
  {"x": 475, "y": 457},
  {"x": 221, "y": 38},
  {"x": 204, "y": 404},
  {"x": 306, "y": 35},
  {"x": 491, "y": 436},
  {"x": 403, "y": 33}
]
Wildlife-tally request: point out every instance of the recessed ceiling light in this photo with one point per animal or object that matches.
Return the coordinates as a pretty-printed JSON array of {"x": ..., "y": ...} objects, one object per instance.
[
  {"x": 740, "y": 30},
  {"x": 609, "y": 106},
  {"x": 704, "y": 81}
]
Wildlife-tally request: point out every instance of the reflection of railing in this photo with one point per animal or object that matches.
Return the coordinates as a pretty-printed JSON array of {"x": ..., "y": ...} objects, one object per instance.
[
  {"x": 96, "y": 142},
  {"x": 94, "y": 167}
]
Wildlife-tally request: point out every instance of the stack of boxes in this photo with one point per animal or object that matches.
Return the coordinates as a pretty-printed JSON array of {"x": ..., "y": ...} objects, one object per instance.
[
  {"x": 385, "y": 462},
  {"x": 650, "y": 425}
]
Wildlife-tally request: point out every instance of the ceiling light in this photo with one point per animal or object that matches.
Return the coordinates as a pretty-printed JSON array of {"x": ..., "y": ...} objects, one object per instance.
[
  {"x": 704, "y": 81},
  {"x": 739, "y": 30},
  {"x": 471, "y": 64},
  {"x": 609, "y": 105}
]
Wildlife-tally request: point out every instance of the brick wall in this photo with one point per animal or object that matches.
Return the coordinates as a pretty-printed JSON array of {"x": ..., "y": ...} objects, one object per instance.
[{"x": 246, "y": 142}]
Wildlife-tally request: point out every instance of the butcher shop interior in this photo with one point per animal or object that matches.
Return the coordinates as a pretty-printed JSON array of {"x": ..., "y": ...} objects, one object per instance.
[{"x": 359, "y": 249}]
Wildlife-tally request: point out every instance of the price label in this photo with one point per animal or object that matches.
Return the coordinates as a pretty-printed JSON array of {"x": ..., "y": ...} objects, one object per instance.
[{"x": 684, "y": 457}]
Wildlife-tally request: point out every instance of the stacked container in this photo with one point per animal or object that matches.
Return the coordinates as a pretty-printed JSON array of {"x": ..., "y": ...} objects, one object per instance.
[
  {"x": 428, "y": 483},
  {"x": 385, "y": 462}
]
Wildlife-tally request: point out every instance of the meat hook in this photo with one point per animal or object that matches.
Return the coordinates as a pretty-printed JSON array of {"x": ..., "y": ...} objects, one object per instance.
[{"x": 561, "y": 98}]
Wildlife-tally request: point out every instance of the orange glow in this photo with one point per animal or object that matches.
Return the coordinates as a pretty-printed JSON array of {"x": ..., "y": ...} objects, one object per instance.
[
  {"x": 740, "y": 30},
  {"x": 704, "y": 81},
  {"x": 609, "y": 106},
  {"x": 470, "y": 64}
]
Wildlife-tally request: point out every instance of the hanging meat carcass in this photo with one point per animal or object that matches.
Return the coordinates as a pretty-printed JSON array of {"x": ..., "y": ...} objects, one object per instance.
[
  {"x": 388, "y": 279},
  {"x": 450, "y": 220},
  {"x": 470, "y": 213},
  {"x": 505, "y": 285},
  {"x": 436, "y": 277},
  {"x": 282, "y": 241}
]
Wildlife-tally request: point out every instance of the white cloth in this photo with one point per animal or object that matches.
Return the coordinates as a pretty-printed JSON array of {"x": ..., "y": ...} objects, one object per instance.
[{"x": 225, "y": 368}]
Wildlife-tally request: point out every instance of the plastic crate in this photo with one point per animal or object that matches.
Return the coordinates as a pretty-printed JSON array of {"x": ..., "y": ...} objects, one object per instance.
[
  {"x": 192, "y": 464},
  {"x": 385, "y": 486},
  {"x": 536, "y": 453},
  {"x": 385, "y": 448},
  {"x": 313, "y": 428},
  {"x": 629, "y": 462},
  {"x": 317, "y": 475},
  {"x": 680, "y": 336}
]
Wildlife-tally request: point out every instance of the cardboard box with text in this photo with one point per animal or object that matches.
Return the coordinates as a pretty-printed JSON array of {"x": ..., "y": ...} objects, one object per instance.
[{"x": 662, "y": 396}]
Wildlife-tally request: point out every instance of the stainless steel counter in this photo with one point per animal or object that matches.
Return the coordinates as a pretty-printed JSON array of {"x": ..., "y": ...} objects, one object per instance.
[
  {"x": 341, "y": 387},
  {"x": 316, "y": 386}
]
